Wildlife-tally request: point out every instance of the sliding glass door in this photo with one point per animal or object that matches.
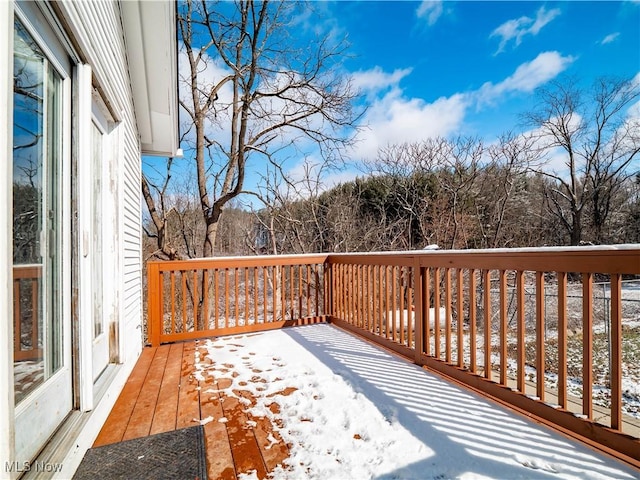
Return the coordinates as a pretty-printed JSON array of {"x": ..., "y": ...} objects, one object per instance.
[{"x": 42, "y": 373}]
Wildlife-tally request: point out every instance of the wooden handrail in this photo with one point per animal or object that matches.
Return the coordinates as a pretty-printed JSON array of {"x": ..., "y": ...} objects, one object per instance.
[{"x": 485, "y": 318}]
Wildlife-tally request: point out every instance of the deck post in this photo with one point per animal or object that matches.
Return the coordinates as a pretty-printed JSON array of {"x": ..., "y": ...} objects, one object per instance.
[{"x": 153, "y": 311}]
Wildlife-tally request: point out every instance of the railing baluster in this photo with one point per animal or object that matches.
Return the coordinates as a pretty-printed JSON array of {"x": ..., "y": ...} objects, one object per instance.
[
  {"x": 274, "y": 292},
  {"x": 562, "y": 339},
  {"x": 447, "y": 317},
  {"x": 616, "y": 352},
  {"x": 488, "y": 329},
  {"x": 216, "y": 298},
  {"x": 246, "y": 296},
  {"x": 339, "y": 291},
  {"x": 236, "y": 303},
  {"x": 357, "y": 301},
  {"x": 381, "y": 307},
  {"x": 172, "y": 280},
  {"x": 384, "y": 299},
  {"x": 205, "y": 297},
  {"x": 360, "y": 296},
  {"x": 411, "y": 311},
  {"x": 291, "y": 292},
  {"x": 520, "y": 332},
  {"x": 369, "y": 294},
  {"x": 460, "y": 314},
  {"x": 472, "y": 321},
  {"x": 426, "y": 310},
  {"x": 436, "y": 306},
  {"x": 587, "y": 344},
  {"x": 308, "y": 269},
  {"x": 183, "y": 275},
  {"x": 265, "y": 289},
  {"x": 403, "y": 311},
  {"x": 299, "y": 295},
  {"x": 540, "y": 336},
  {"x": 344, "y": 286},
  {"x": 352, "y": 295},
  {"x": 503, "y": 327},
  {"x": 283, "y": 292},
  {"x": 17, "y": 316},
  {"x": 226, "y": 297},
  {"x": 256, "y": 294},
  {"x": 324, "y": 288},
  {"x": 346, "y": 311},
  {"x": 394, "y": 304},
  {"x": 195, "y": 300},
  {"x": 35, "y": 295}
]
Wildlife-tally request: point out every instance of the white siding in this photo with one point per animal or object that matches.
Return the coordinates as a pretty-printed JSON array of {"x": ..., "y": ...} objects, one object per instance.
[{"x": 97, "y": 28}]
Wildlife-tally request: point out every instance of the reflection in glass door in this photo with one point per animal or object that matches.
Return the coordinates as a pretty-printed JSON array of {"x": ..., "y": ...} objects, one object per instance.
[{"x": 41, "y": 369}]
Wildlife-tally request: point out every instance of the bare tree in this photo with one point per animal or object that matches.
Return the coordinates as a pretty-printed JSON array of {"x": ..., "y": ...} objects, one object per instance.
[
  {"x": 499, "y": 203},
  {"x": 598, "y": 140},
  {"x": 251, "y": 93},
  {"x": 155, "y": 197}
]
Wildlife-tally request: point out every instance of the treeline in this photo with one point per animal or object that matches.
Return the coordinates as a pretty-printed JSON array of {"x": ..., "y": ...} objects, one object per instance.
[
  {"x": 475, "y": 198},
  {"x": 455, "y": 194}
]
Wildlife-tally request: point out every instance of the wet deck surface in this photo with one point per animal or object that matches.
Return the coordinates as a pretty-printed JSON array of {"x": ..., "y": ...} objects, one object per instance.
[{"x": 162, "y": 394}]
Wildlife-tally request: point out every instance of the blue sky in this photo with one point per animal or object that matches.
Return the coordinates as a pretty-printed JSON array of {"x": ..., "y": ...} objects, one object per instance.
[
  {"x": 471, "y": 67},
  {"x": 468, "y": 68}
]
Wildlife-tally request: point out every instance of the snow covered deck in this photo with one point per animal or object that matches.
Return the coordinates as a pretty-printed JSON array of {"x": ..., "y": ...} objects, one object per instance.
[{"x": 316, "y": 402}]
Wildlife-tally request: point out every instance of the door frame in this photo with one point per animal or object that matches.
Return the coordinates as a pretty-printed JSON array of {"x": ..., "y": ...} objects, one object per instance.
[{"x": 33, "y": 425}]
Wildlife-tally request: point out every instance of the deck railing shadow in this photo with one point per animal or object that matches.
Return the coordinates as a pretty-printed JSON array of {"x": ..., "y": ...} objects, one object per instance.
[{"x": 451, "y": 422}]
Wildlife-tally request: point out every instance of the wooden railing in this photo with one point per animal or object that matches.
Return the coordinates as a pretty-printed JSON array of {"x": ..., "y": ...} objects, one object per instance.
[
  {"x": 198, "y": 298},
  {"x": 26, "y": 285},
  {"x": 509, "y": 323}
]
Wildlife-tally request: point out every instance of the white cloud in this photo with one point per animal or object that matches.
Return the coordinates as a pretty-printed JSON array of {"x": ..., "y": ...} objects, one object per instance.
[
  {"x": 610, "y": 38},
  {"x": 516, "y": 29},
  {"x": 527, "y": 76},
  {"x": 431, "y": 10},
  {"x": 395, "y": 118},
  {"x": 375, "y": 80}
]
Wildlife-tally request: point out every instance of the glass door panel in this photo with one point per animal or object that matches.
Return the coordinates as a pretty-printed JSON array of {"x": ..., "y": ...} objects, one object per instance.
[
  {"x": 100, "y": 352},
  {"x": 40, "y": 367}
]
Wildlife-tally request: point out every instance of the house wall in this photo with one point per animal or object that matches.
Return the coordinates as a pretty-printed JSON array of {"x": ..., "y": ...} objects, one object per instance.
[
  {"x": 97, "y": 29},
  {"x": 101, "y": 80}
]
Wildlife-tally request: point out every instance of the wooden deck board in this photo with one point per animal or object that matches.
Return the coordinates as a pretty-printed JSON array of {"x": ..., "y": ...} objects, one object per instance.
[
  {"x": 164, "y": 394},
  {"x": 219, "y": 456},
  {"x": 164, "y": 419},
  {"x": 189, "y": 397},
  {"x": 244, "y": 446},
  {"x": 143, "y": 412},
  {"x": 115, "y": 426}
]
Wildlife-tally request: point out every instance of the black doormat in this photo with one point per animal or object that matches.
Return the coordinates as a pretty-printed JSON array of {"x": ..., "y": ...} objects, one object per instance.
[{"x": 179, "y": 454}]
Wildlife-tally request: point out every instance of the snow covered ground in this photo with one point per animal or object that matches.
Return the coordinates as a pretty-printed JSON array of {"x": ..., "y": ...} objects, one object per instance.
[{"x": 349, "y": 410}]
